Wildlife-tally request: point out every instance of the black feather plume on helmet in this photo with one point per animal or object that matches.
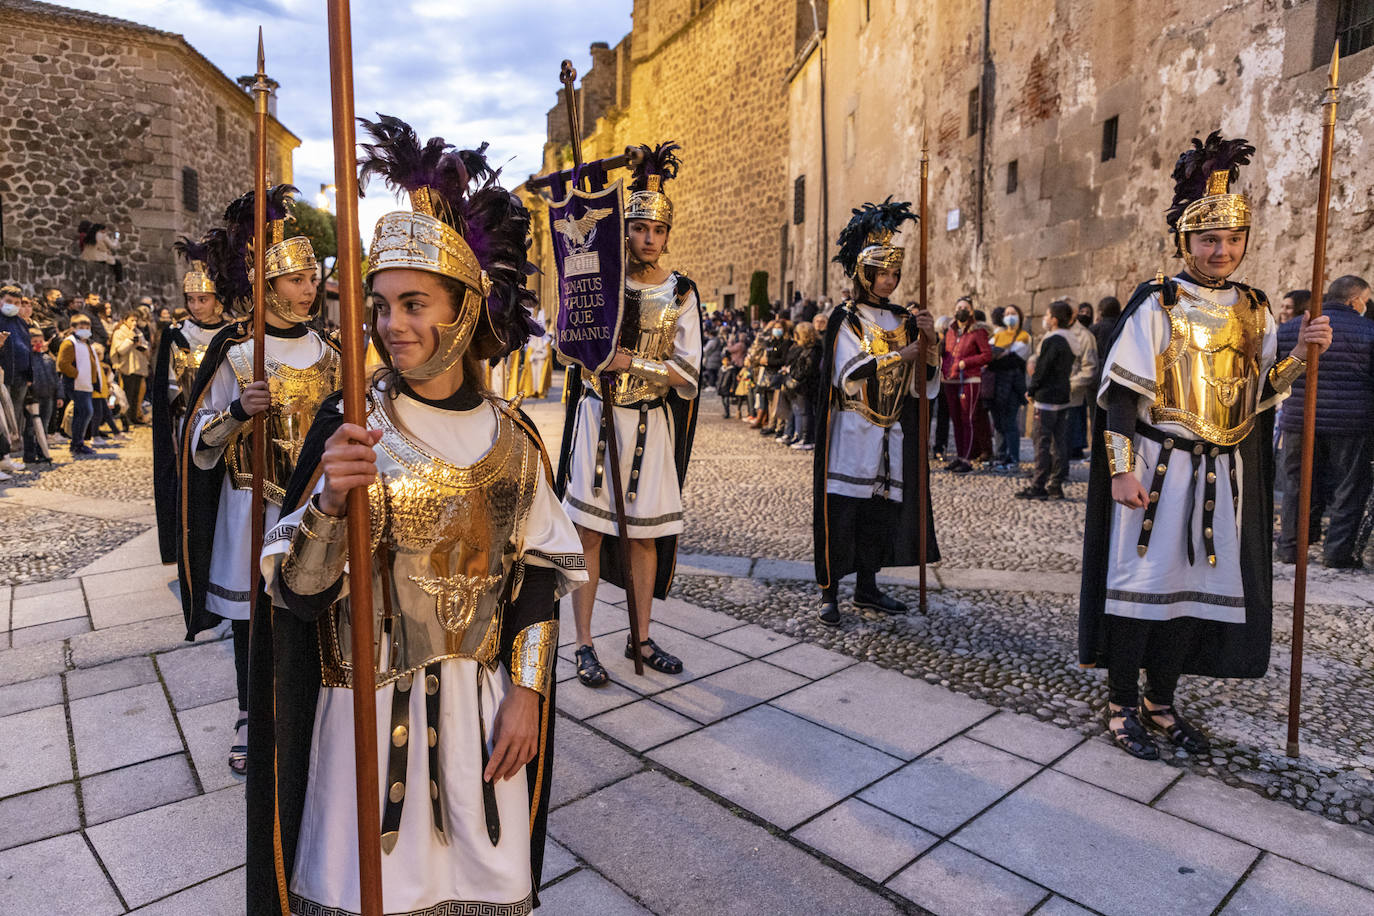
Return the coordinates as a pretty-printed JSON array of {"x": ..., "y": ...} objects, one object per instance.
[
  {"x": 1196, "y": 165},
  {"x": 659, "y": 160},
  {"x": 868, "y": 219},
  {"x": 191, "y": 250},
  {"x": 397, "y": 157},
  {"x": 227, "y": 263}
]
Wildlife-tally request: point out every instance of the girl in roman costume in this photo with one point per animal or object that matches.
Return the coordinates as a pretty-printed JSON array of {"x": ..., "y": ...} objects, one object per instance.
[
  {"x": 655, "y": 396},
  {"x": 864, "y": 499},
  {"x": 180, "y": 349},
  {"x": 471, "y": 553},
  {"x": 1177, "y": 553},
  {"x": 216, "y": 466}
]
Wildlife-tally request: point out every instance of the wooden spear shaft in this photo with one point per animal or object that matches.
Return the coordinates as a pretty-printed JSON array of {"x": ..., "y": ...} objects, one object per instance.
[
  {"x": 261, "y": 88},
  {"x": 922, "y": 402},
  {"x": 607, "y": 385},
  {"x": 1309, "y": 415},
  {"x": 353, "y": 340}
]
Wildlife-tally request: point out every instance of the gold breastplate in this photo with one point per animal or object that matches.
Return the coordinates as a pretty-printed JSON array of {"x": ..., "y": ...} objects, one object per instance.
[
  {"x": 296, "y": 395},
  {"x": 659, "y": 308},
  {"x": 450, "y": 532},
  {"x": 1209, "y": 375},
  {"x": 186, "y": 363},
  {"x": 881, "y": 402}
]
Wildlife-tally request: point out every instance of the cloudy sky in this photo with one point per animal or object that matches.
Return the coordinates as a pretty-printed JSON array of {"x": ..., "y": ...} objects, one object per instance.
[{"x": 462, "y": 70}]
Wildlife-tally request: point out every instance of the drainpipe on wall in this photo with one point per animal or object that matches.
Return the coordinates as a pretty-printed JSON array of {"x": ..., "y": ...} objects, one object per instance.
[
  {"x": 825, "y": 162},
  {"x": 984, "y": 104}
]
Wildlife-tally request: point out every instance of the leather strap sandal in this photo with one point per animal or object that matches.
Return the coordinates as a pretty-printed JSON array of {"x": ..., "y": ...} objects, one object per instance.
[
  {"x": 238, "y": 753},
  {"x": 589, "y": 669},
  {"x": 1131, "y": 736},
  {"x": 1180, "y": 732},
  {"x": 657, "y": 659},
  {"x": 830, "y": 614}
]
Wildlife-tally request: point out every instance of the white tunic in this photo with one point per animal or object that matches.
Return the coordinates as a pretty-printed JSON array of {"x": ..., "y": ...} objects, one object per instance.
[
  {"x": 230, "y": 574},
  {"x": 1163, "y": 585},
  {"x": 656, "y": 509},
  {"x": 421, "y": 874},
  {"x": 855, "y": 464}
]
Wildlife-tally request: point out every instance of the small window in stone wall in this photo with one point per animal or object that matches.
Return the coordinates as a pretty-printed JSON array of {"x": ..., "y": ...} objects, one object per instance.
[
  {"x": 799, "y": 200},
  {"x": 1012, "y": 177},
  {"x": 190, "y": 190},
  {"x": 221, "y": 128},
  {"x": 973, "y": 111},
  {"x": 1109, "y": 128},
  {"x": 1355, "y": 25}
]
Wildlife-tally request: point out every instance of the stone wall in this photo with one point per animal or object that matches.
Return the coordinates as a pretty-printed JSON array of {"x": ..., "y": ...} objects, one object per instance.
[
  {"x": 105, "y": 116},
  {"x": 711, "y": 76}
]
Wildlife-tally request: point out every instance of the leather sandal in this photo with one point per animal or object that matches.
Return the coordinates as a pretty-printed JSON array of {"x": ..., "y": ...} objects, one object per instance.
[
  {"x": 1132, "y": 737},
  {"x": 1180, "y": 732},
  {"x": 589, "y": 668},
  {"x": 657, "y": 659},
  {"x": 238, "y": 753},
  {"x": 830, "y": 614}
]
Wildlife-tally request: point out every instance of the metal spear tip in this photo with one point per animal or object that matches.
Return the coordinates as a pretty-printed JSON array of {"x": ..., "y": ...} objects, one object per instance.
[
  {"x": 1335, "y": 65},
  {"x": 262, "y": 56}
]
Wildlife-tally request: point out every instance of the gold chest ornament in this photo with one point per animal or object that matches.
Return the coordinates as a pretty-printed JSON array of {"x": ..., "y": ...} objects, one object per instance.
[
  {"x": 186, "y": 363},
  {"x": 884, "y": 407},
  {"x": 659, "y": 308},
  {"x": 1209, "y": 374},
  {"x": 296, "y": 396},
  {"x": 444, "y": 542}
]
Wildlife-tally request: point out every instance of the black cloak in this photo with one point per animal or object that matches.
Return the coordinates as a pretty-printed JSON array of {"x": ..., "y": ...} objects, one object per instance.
[
  {"x": 200, "y": 489},
  {"x": 683, "y": 413},
  {"x": 166, "y": 414},
  {"x": 1220, "y": 649},
  {"x": 284, "y": 677},
  {"x": 835, "y": 523}
]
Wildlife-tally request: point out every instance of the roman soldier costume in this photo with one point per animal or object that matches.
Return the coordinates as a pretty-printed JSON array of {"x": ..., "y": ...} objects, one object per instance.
[
  {"x": 471, "y": 551},
  {"x": 655, "y": 421},
  {"x": 179, "y": 353},
  {"x": 864, "y": 493},
  {"x": 1183, "y": 585}
]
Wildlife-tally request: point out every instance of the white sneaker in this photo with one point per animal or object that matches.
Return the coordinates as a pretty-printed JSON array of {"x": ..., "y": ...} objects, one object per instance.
[
  {"x": 12, "y": 465},
  {"x": 99, "y": 441},
  {"x": 4, "y": 477}
]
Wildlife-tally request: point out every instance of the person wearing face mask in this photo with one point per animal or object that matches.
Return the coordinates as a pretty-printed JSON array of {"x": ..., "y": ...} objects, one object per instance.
[
  {"x": 15, "y": 359},
  {"x": 865, "y": 476},
  {"x": 966, "y": 352},
  {"x": 1010, "y": 350},
  {"x": 1177, "y": 565},
  {"x": 77, "y": 360},
  {"x": 776, "y": 346},
  {"x": 215, "y": 462}
]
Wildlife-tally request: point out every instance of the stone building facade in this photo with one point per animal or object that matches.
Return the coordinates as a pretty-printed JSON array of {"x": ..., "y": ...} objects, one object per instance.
[
  {"x": 117, "y": 123},
  {"x": 1052, "y": 127}
]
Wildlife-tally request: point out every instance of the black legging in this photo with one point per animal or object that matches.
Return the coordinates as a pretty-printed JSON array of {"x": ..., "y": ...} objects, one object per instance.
[
  {"x": 1158, "y": 646},
  {"x": 240, "y": 631}
]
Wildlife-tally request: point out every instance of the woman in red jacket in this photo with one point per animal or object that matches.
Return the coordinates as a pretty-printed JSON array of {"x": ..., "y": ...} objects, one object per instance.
[{"x": 966, "y": 352}]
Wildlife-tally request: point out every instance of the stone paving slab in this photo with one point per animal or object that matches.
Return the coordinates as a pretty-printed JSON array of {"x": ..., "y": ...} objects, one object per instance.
[
  {"x": 128, "y": 581},
  {"x": 221, "y": 896},
  {"x": 1025, "y": 736},
  {"x": 733, "y": 690},
  {"x": 584, "y": 762},
  {"x": 1109, "y": 853},
  {"x": 140, "y": 638},
  {"x": 949, "y": 785},
  {"x": 122, "y": 727},
  {"x": 779, "y": 766},
  {"x": 128, "y": 672},
  {"x": 140, "y": 550},
  {"x": 689, "y": 856},
  {"x": 159, "y": 599},
  {"x": 1098, "y": 762},
  {"x": 39, "y": 609},
  {"x": 30, "y": 662},
  {"x": 1279, "y": 887},
  {"x": 582, "y": 702},
  {"x": 34, "y": 589},
  {"x": 867, "y": 839},
  {"x": 557, "y": 860},
  {"x": 209, "y": 731},
  {"x": 950, "y": 881},
  {"x": 47, "y": 632},
  {"x": 38, "y": 815},
  {"x": 810, "y": 661},
  {"x": 700, "y": 657},
  {"x": 29, "y": 880},
  {"x": 199, "y": 674},
  {"x": 642, "y": 725},
  {"x": 1058, "y": 906},
  {"x": 158, "y": 852},
  {"x": 689, "y": 618},
  {"x": 26, "y": 695},
  {"x": 1298, "y": 835},
  {"x": 588, "y": 892},
  {"x": 885, "y": 709},
  {"x": 703, "y": 564},
  {"x": 116, "y": 793},
  {"x": 34, "y": 750},
  {"x": 754, "y": 640}
]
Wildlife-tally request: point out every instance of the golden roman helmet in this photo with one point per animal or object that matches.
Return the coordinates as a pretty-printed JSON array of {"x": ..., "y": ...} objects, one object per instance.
[
  {"x": 1203, "y": 199},
  {"x": 286, "y": 255},
  {"x": 867, "y": 239},
  {"x": 197, "y": 279},
  {"x": 657, "y": 165}
]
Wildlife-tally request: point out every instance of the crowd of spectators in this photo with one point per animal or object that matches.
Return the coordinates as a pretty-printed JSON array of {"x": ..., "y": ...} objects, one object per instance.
[{"x": 74, "y": 370}]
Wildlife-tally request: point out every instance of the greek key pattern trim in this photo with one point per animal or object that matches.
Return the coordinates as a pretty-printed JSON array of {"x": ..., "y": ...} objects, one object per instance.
[
  {"x": 303, "y": 907},
  {"x": 862, "y": 481},
  {"x": 1114, "y": 594},
  {"x": 561, "y": 560},
  {"x": 1131, "y": 378}
]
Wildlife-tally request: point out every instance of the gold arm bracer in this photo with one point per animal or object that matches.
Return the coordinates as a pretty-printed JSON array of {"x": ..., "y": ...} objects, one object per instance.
[
  {"x": 531, "y": 663},
  {"x": 1120, "y": 453},
  {"x": 319, "y": 550},
  {"x": 220, "y": 430},
  {"x": 651, "y": 370},
  {"x": 1285, "y": 372}
]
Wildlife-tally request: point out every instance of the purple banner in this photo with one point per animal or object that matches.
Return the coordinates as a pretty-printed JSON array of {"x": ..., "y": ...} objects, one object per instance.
[{"x": 589, "y": 251}]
